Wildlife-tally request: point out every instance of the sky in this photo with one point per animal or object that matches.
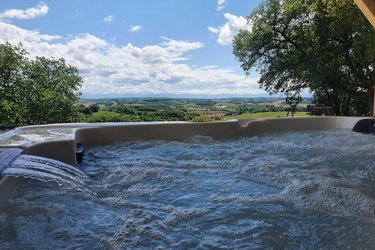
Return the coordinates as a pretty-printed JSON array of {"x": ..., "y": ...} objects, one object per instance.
[{"x": 138, "y": 48}]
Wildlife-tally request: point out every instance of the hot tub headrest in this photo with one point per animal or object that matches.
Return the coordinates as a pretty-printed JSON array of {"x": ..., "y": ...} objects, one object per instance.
[
  {"x": 7, "y": 126},
  {"x": 366, "y": 126}
]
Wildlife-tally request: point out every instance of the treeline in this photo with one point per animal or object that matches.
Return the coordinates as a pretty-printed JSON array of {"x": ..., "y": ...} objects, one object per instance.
[
  {"x": 256, "y": 109},
  {"x": 122, "y": 113},
  {"x": 39, "y": 91}
]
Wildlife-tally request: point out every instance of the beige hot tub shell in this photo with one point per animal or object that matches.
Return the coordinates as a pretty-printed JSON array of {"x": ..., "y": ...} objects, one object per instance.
[{"x": 110, "y": 133}]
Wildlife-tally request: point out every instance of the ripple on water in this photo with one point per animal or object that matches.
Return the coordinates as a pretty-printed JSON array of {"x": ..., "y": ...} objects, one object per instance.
[{"x": 293, "y": 190}]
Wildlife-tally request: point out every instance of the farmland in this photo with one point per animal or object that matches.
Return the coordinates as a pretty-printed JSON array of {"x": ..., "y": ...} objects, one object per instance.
[{"x": 168, "y": 109}]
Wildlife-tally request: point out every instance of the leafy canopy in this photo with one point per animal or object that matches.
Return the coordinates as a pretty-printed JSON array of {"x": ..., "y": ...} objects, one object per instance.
[
  {"x": 39, "y": 91},
  {"x": 325, "y": 46}
]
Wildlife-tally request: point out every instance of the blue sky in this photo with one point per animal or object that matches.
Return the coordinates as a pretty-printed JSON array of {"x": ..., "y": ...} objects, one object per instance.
[{"x": 129, "y": 48}]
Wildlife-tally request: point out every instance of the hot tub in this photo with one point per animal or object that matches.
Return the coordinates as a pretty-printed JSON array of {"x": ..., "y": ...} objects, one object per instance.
[{"x": 273, "y": 183}]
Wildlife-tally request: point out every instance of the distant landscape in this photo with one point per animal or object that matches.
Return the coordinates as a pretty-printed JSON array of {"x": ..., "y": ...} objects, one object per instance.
[{"x": 196, "y": 110}]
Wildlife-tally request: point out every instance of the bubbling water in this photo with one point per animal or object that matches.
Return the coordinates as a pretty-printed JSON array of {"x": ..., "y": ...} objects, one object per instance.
[
  {"x": 293, "y": 190},
  {"x": 32, "y": 136}
]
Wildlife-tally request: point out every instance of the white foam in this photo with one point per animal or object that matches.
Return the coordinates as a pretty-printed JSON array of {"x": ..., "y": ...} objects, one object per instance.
[
  {"x": 35, "y": 135},
  {"x": 341, "y": 197}
]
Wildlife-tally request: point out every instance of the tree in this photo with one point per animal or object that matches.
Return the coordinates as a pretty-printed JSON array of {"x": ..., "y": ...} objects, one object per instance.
[
  {"x": 12, "y": 64},
  {"x": 84, "y": 110},
  {"x": 94, "y": 108},
  {"x": 293, "y": 101},
  {"x": 39, "y": 91},
  {"x": 325, "y": 46}
]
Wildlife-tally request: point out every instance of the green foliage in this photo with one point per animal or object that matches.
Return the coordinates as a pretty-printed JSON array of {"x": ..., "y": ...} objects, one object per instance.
[
  {"x": 202, "y": 119},
  {"x": 326, "y": 46},
  {"x": 108, "y": 116},
  {"x": 94, "y": 108},
  {"x": 133, "y": 110},
  {"x": 292, "y": 100},
  {"x": 12, "y": 64},
  {"x": 84, "y": 110},
  {"x": 36, "y": 91},
  {"x": 264, "y": 115}
]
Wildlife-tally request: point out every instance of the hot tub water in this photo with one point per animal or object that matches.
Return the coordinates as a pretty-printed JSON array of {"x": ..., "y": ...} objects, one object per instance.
[{"x": 292, "y": 190}]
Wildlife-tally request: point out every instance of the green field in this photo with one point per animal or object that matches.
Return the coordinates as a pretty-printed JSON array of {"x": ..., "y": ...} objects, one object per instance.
[
  {"x": 264, "y": 115},
  {"x": 196, "y": 110}
]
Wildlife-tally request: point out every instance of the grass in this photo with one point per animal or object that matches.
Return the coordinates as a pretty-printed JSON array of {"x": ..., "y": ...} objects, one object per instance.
[{"x": 263, "y": 115}]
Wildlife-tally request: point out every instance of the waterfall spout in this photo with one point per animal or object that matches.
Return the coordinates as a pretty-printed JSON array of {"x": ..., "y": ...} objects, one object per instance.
[
  {"x": 12, "y": 163},
  {"x": 7, "y": 156}
]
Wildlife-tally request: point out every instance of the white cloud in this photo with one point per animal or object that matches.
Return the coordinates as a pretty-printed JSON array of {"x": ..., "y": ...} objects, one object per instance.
[
  {"x": 180, "y": 46},
  {"x": 231, "y": 28},
  {"x": 13, "y": 34},
  {"x": 213, "y": 30},
  {"x": 221, "y": 4},
  {"x": 40, "y": 10},
  {"x": 109, "y": 19},
  {"x": 135, "y": 28},
  {"x": 129, "y": 70}
]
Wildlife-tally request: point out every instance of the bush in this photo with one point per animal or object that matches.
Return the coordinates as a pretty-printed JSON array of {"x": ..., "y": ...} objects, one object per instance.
[{"x": 201, "y": 119}]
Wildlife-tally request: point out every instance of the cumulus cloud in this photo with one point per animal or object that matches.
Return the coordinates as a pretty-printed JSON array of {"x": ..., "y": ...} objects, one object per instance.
[
  {"x": 135, "y": 28},
  {"x": 180, "y": 46},
  {"x": 221, "y": 4},
  {"x": 13, "y": 34},
  {"x": 40, "y": 10},
  {"x": 109, "y": 19},
  {"x": 231, "y": 28},
  {"x": 129, "y": 70},
  {"x": 213, "y": 30}
]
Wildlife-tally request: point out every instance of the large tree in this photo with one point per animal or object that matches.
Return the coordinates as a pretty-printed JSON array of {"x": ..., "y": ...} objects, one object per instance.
[
  {"x": 325, "y": 46},
  {"x": 39, "y": 91}
]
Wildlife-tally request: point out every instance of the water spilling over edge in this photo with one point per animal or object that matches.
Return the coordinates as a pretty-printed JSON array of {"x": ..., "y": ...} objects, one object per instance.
[{"x": 46, "y": 170}]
